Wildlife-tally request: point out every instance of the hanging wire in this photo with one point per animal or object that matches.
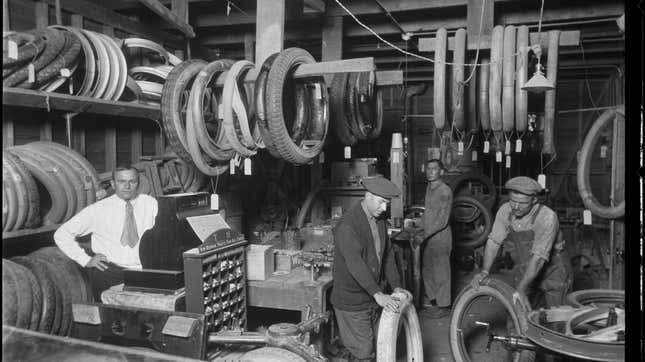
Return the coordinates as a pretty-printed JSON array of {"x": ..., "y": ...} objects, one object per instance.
[{"x": 407, "y": 52}]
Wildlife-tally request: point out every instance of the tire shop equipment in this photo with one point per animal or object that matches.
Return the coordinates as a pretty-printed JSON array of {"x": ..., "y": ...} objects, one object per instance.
[
  {"x": 470, "y": 221},
  {"x": 590, "y": 333},
  {"x": 477, "y": 185},
  {"x": 457, "y": 84},
  {"x": 508, "y": 79},
  {"x": 521, "y": 71},
  {"x": 390, "y": 326},
  {"x": 279, "y": 92},
  {"x": 470, "y": 331},
  {"x": 206, "y": 145},
  {"x": 279, "y": 338},
  {"x": 584, "y": 165},
  {"x": 441, "y": 46},
  {"x": 495, "y": 81},
  {"x": 548, "y": 146},
  {"x": 596, "y": 298}
]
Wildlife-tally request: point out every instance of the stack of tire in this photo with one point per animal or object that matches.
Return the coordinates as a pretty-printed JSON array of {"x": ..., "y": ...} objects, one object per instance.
[
  {"x": 211, "y": 125},
  {"x": 38, "y": 291},
  {"x": 357, "y": 107},
  {"x": 45, "y": 183}
]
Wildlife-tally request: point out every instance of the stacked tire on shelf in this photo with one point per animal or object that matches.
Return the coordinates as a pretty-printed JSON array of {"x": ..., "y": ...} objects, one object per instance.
[
  {"x": 38, "y": 291},
  {"x": 211, "y": 125},
  {"x": 45, "y": 183}
]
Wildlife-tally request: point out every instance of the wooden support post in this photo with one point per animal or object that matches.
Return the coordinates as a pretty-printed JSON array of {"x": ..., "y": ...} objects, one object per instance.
[
  {"x": 78, "y": 133},
  {"x": 617, "y": 226},
  {"x": 160, "y": 142},
  {"x": 474, "y": 15},
  {"x": 110, "y": 130},
  {"x": 41, "y": 10},
  {"x": 136, "y": 144},
  {"x": 269, "y": 29},
  {"x": 249, "y": 48},
  {"x": 5, "y": 15},
  {"x": 397, "y": 164},
  {"x": 332, "y": 42}
]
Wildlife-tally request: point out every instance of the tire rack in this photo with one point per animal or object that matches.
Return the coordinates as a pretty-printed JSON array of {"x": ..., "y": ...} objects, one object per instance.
[{"x": 216, "y": 285}]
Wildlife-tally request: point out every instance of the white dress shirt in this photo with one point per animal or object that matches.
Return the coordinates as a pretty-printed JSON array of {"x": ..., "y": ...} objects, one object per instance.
[{"x": 104, "y": 219}]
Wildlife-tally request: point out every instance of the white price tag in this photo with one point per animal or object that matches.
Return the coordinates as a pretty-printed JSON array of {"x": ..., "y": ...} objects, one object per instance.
[
  {"x": 586, "y": 217},
  {"x": 13, "y": 49},
  {"x": 31, "y": 73},
  {"x": 518, "y": 146},
  {"x": 498, "y": 156},
  {"x": 486, "y": 146},
  {"x": 321, "y": 157},
  {"x": 603, "y": 151},
  {"x": 474, "y": 155},
  {"x": 71, "y": 86},
  {"x": 348, "y": 152},
  {"x": 247, "y": 166},
  {"x": 423, "y": 167},
  {"x": 542, "y": 180},
  {"x": 220, "y": 111},
  {"x": 395, "y": 157},
  {"x": 508, "y": 161},
  {"x": 214, "y": 202},
  {"x": 64, "y": 72},
  {"x": 231, "y": 166},
  {"x": 507, "y": 148},
  {"x": 460, "y": 148},
  {"x": 317, "y": 92}
]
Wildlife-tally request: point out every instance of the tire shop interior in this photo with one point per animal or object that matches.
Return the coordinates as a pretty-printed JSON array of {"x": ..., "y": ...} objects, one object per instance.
[{"x": 257, "y": 126}]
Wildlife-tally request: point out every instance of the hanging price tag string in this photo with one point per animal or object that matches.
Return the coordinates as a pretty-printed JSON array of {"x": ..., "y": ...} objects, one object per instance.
[{"x": 543, "y": 167}]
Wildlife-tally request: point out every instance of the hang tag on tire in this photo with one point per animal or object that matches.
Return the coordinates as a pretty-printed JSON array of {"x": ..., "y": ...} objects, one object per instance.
[
  {"x": 508, "y": 161},
  {"x": 231, "y": 166},
  {"x": 498, "y": 156},
  {"x": 214, "y": 202},
  {"x": 64, "y": 72},
  {"x": 473, "y": 155},
  {"x": 586, "y": 217},
  {"x": 31, "y": 73},
  {"x": 542, "y": 180},
  {"x": 13, "y": 50},
  {"x": 486, "y": 146},
  {"x": 395, "y": 157},
  {"x": 317, "y": 91},
  {"x": 220, "y": 111},
  {"x": 507, "y": 148},
  {"x": 247, "y": 166},
  {"x": 348, "y": 152},
  {"x": 603, "y": 151},
  {"x": 460, "y": 148},
  {"x": 518, "y": 146}
]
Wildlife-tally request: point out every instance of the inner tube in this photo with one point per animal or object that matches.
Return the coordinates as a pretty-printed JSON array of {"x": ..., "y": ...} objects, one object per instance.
[
  {"x": 584, "y": 164},
  {"x": 388, "y": 330},
  {"x": 260, "y": 109},
  {"x": 439, "y": 95},
  {"x": 495, "y": 83},
  {"x": 461, "y": 324},
  {"x": 471, "y": 222},
  {"x": 236, "y": 110},
  {"x": 548, "y": 146},
  {"x": 482, "y": 100},
  {"x": 487, "y": 199},
  {"x": 521, "y": 70},
  {"x": 508, "y": 89},
  {"x": 457, "y": 94}
]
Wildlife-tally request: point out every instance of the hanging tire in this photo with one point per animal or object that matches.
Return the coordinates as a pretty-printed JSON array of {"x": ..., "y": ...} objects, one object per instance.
[
  {"x": 389, "y": 326},
  {"x": 584, "y": 165},
  {"x": 489, "y": 199},
  {"x": 339, "y": 111},
  {"x": 597, "y": 297},
  {"x": 470, "y": 221},
  {"x": 260, "y": 97},
  {"x": 461, "y": 326}
]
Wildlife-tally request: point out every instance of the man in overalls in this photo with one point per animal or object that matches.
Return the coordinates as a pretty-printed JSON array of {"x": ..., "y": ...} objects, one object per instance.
[{"x": 531, "y": 232}]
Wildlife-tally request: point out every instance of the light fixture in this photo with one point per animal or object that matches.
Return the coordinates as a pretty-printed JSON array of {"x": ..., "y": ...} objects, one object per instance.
[{"x": 538, "y": 82}]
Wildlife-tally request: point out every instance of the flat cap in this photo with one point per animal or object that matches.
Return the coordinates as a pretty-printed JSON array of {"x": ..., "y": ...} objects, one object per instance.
[
  {"x": 524, "y": 185},
  {"x": 379, "y": 185}
]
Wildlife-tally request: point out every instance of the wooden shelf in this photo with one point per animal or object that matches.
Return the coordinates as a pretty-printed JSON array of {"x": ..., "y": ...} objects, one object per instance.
[
  {"x": 26, "y": 232},
  {"x": 76, "y": 104}
]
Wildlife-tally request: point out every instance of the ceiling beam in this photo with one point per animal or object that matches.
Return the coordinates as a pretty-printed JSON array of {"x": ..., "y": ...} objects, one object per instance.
[{"x": 169, "y": 17}]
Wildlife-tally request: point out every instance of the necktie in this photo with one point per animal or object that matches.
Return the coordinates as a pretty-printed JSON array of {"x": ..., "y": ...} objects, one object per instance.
[{"x": 129, "y": 236}]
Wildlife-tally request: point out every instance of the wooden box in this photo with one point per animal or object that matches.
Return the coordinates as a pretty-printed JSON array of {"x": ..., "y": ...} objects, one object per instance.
[{"x": 259, "y": 262}]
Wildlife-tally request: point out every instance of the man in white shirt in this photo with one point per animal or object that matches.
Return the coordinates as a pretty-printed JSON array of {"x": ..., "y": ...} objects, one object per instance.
[{"x": 116, "y": 224}]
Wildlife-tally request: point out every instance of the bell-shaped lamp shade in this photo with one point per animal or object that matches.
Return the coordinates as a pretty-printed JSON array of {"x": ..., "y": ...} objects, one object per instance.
[{"x": 538, "y": 83}]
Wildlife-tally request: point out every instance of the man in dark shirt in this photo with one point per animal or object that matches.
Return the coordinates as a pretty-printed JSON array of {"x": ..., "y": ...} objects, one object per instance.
[{"x": 363, "y": 263}]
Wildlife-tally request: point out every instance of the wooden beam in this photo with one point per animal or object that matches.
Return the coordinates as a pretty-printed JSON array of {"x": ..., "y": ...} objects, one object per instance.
[
  {"x": 168, "y": 16},
  {"x": 5, "y": 15},
  {"x": 332, "y": 39},
  {"x": 41, "y": 10},
  {"x": 567, "y": 38},
  {"x": 78, "y": 133},
  {"x": 249, "y": 47},
  {"x": 105, "y": 16},
  {"x": 316, "y": 6},
  {"x": 562, "y": 11},
  {"x": 474, "y": 15},
  {"x": 269, "y": 31}
]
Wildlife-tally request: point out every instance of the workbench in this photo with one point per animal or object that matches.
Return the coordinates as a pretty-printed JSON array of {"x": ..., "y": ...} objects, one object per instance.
[{"x": 291, "y": 291}]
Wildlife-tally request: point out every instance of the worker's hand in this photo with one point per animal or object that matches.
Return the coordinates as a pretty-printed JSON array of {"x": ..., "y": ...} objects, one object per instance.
[
  {"x": 98, "y": 261},
  {"x": 418, "y": 238},
  {"x": 478, "y": 278},
  {"x": 520, "y": 294},
  {"x": 387, "y": 302},
  {"x": 402, "y": 291}
]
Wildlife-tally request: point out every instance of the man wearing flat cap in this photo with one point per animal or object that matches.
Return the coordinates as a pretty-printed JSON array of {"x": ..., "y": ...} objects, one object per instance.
[
  {"x": 363, "y": 265},
  {"x": 531, "y": 232}
]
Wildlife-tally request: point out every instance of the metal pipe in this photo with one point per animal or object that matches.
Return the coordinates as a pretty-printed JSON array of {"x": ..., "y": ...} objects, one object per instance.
[
  {"x": 549, "y": 96},
  {"x": 236, "y": 339}
]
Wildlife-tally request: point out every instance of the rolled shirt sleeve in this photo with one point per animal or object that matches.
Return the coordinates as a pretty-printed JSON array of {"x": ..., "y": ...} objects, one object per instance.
[{"x": 546, "y": 229}]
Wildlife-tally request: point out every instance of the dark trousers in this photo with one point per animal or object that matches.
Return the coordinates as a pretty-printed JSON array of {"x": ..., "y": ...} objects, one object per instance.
[
  {"x": 102, "y": 280},
  {"x": 436, "y": 270},
  {"x": 358, "y": 331}
]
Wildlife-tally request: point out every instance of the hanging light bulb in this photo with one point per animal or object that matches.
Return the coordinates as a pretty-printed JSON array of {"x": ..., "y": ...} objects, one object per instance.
[{"x": 538, "y": 82}]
